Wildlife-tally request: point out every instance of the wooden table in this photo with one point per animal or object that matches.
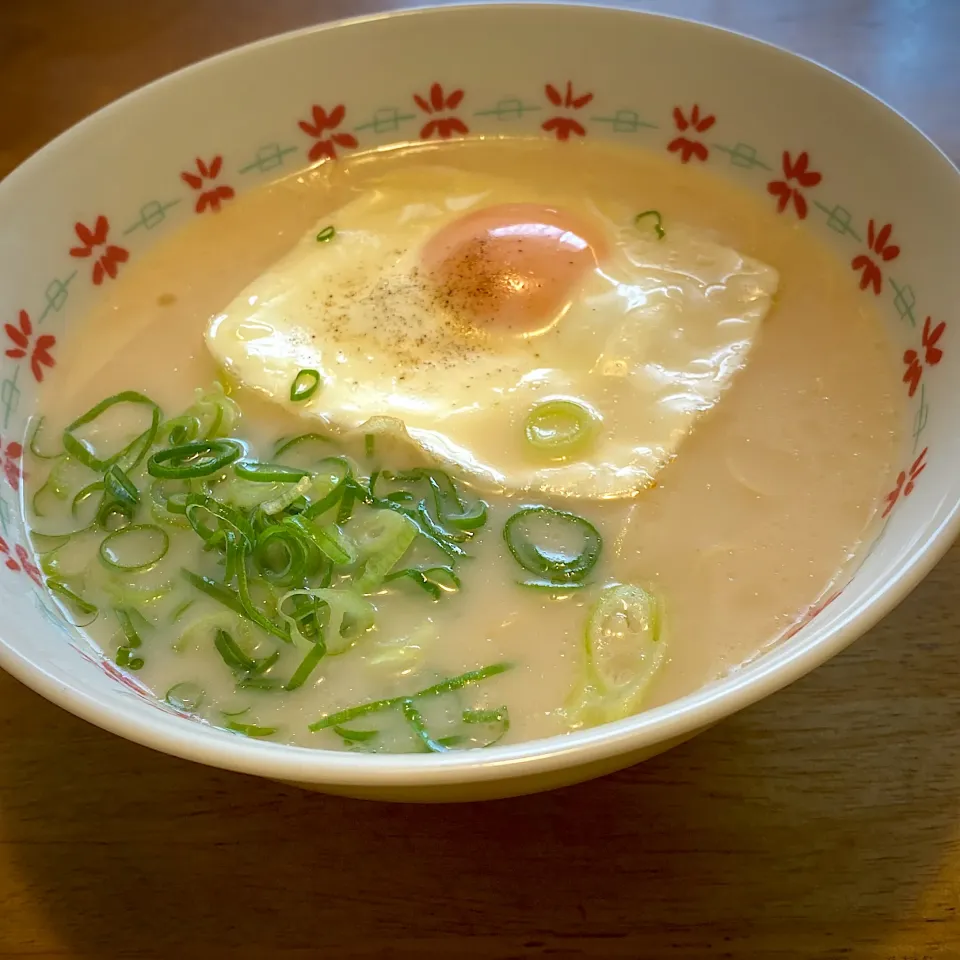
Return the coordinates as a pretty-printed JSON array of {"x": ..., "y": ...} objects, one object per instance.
[{"x": 824, "y": 822}]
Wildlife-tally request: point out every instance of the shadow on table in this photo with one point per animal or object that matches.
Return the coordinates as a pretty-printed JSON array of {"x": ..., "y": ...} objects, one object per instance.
[{"x": 808, "y": 823}]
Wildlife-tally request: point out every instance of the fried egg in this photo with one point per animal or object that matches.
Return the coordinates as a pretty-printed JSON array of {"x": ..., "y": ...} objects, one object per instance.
[{"x": 450, "y": 307}]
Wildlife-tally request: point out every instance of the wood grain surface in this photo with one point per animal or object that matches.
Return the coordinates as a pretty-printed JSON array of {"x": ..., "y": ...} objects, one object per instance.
[{"x": 824, "y": 822}]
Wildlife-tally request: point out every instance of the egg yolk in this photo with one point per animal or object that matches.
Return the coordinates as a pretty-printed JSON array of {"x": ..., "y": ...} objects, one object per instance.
[{"x": 511, "y": 267}]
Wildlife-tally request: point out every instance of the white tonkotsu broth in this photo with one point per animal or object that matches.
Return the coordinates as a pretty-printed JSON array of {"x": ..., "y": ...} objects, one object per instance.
[{"x": 717, "y": 377}]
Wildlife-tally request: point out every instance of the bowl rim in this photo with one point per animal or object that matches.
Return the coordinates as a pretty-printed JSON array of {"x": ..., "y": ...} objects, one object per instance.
[{"x": 672, "y": 721}]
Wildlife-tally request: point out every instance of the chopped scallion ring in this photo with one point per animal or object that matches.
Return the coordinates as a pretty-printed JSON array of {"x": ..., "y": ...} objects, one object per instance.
[
  {"x": 281, "y": 556},
  {"x": 202, "y": 458},
  {"x": 289, "y": 446},
  {"x": 560, "y": 428},
  {"x": 185, "y": 696},
  {"x": 560, "y": 564},
  {"x": 657, "y": 223},
  {"x": 305, "y": 385},
  {"x": 148, "y": 543},
  {"x": 268, "y": 472},
  {"x": 32, "y": 443},
  {"x": 624, "y": 649},
  {"x": 83, "y": 451},
  {"x": 326, "y": 234}
]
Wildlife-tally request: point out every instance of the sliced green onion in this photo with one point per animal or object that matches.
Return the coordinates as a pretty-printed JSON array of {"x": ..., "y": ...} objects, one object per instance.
[
  {"x": 225, "y": 414},
  {"x": 130, "y": 634},
  {"x": 292, "y": 493},
  {"x": 449, "y": 506},
  {"x": 498, "y": 719},
  {"x": 132, "y": 539},
  {"x": 281, "y": 555},
  {"x": 196, "y": 634},
  {"x": 180, "y": 610},
  {"x": 292, "y": 445},
  {"x": 125, "y": 658},
  {"x": 217, "y": 591},
  {"x": 119, "y": 486},
  {"x": 185, "y": 696},
  {"x": 114, "y": 516},
  {"x": 179, "y": 430},
  {"x": 556, "y": 565},
  {"x": 45, "y": 543},
  {"x": 250, "y": 729},
  {"x": 235, "y": 713},
  {"x": 198, "y": 459},
  {"x": 32, "y": 443},
  {"x": 307, "y": 666},
  {"x": 551, "y": 586},
  {"x": 266, "y": 663},
  {"x": 326, "y": 234},
  {"x": 383, "y": 538},
  {"x": 86, "y": 608},
  {"x": 264, "y": 684},
  {"x": 623, "y": 652},
  {"x": 356, "y": 736},
  {"x": 120, "y": 499},
  {"x": 304, "y": 622},
  {"x": 231, "y": 654},
  {"x": 268, "y": 472},
  {"x": 330, "y": 540},
  {"x": 305, "y": 385},
  {"x": 434, "y": 580},
  {"x": 228, "y": 519},
  {"x": 84, "y": 494},
  {"x": 560, "y": 428},
  {"x": 329, "y": 486},
  {"x": 350, "y": 615},
  {"x": 424, "y": 528},
  {"x": 415, "y": 719},
  {"x": 657, "y": 224},
  {"x": 345, "y": 511},
  {"x": 243, "y": 592},
  {"x": 444, "y": 686},
  {"x": 85, "y": 453},
  {"x": 169, "y": 508}
]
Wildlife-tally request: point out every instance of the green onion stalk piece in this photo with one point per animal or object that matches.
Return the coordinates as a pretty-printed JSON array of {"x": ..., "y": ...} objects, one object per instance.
[{"x": 437, "y": 689}]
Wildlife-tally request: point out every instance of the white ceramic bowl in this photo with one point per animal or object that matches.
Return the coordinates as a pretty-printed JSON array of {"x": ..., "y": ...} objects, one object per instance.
[{"x": 102, "y": 193}]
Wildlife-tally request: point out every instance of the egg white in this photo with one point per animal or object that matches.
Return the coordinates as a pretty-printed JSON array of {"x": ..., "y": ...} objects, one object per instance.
[{"x": 648, "y": 341}]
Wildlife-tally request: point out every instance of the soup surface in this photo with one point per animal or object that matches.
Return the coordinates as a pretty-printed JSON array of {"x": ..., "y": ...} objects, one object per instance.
[{"x": 724, "y": 468}]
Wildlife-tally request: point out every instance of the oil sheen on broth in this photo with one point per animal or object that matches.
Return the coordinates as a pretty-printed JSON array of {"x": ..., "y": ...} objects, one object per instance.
[{"x": 720, "y": 374}]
